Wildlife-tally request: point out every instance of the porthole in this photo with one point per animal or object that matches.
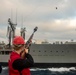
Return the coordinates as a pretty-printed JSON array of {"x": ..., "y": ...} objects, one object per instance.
[
  {"x": 39, "y": 51},
  {"x": 62, "y": 51},
  {"x": 33, "y": 50},
  {"x": 56, "y": 51},
  {"x": 45, "y": 51}
]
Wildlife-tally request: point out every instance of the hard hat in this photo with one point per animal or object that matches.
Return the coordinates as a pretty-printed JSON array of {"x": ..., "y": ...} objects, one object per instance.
[{"x": 18, "y": 40}]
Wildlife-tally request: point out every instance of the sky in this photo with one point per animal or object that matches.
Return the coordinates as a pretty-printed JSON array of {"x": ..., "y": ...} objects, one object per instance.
[{"x": 53, "y": 24}]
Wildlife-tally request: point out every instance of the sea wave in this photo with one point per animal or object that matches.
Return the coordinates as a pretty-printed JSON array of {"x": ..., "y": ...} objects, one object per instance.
[
  {"x": 61, "y": 69},
  {"x": 4, "y": 68},
  {"x": 37, "y": 69},
  {"x": 47, "y": 71}
]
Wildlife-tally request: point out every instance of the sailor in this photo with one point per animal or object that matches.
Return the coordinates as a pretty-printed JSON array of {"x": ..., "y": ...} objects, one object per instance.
[
  {"x": 0, "y": 68},
  {"x": 20, "y": 60}
]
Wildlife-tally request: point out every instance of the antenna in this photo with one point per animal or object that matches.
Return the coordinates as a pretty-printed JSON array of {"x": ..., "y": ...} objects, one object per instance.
[
  {"x": 11, "y": 14},
  {"x": 22, "y": 21},
  {"x": 16, "y": 16},
  {"x": 23, "y": 29}
]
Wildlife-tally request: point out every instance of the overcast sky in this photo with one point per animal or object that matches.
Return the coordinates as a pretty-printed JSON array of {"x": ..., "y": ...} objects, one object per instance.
[{"x": 53, "y": 24}]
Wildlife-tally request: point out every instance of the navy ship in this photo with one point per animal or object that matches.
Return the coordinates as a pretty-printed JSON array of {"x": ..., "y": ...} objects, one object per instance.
[{"x": 45, "y": 55}]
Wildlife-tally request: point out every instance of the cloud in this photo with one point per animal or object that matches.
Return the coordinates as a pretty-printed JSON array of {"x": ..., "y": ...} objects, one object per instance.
[{"x": 53, "y": 24}]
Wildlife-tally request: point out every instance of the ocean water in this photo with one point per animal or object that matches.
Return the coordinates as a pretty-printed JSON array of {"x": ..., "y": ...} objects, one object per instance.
[{"x": 47, "y": 71}]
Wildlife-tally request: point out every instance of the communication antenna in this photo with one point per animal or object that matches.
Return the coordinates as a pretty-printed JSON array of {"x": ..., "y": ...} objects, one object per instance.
[
  {"x": 16, "y": 16},
  {"x": 23, "y": 29},
  {"x": 11, "y": 15},
  {"x": 22, "y": 21}
]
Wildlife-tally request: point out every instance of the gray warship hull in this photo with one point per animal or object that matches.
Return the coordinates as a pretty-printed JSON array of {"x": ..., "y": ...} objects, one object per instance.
[
  {"x": 54, "y": 55},
  {"x": 50, "y": 55}
]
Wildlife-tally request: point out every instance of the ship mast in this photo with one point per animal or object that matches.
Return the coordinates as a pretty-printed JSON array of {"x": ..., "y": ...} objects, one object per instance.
[
  {"x": 11, "y": 31},
  {"x": 23, "y": 32}
]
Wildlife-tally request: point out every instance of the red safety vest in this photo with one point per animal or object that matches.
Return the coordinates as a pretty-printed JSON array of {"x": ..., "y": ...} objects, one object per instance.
[{"x": 13, "y": 57}]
